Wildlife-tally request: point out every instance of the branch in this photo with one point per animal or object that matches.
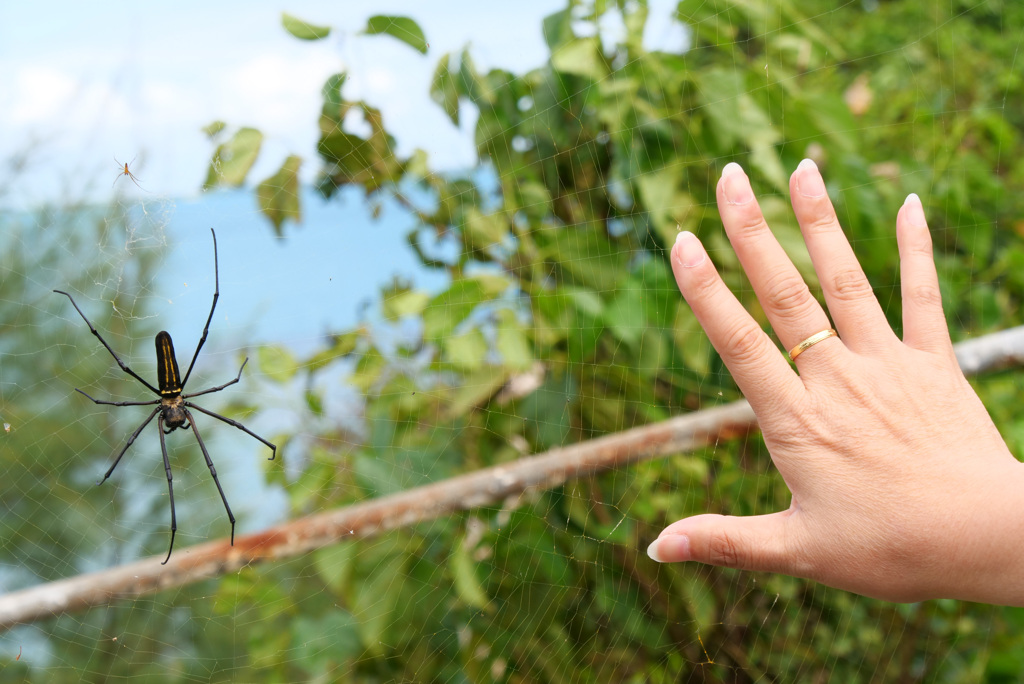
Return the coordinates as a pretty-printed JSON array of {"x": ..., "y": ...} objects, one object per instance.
[{"x": 505, "y": 484}]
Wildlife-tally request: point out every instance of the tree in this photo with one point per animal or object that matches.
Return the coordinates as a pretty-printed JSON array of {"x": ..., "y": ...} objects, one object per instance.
[{"x": 587, "y": 168}]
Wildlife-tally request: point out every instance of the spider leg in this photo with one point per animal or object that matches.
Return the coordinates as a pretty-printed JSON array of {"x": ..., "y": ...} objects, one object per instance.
[
  {"x": 124, "y": 171},
  {"x": 170, "y": 487},
  {"x": 213, "y": 471},
  {"x": 186, "y": 426},
  {"x": 219, "y": 387},
  {"x": 95, "y": 332},
  {"x": 120, "y": 166},
  {"x": 131, "y": 440},
  {"x": 216, "y": 296},
  {"x": 273, "y": 447},
  {"x": 117, "y": 403}
]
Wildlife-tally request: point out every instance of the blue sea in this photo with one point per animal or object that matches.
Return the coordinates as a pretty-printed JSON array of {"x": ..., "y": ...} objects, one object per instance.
[{"x": 322, "y": 276}]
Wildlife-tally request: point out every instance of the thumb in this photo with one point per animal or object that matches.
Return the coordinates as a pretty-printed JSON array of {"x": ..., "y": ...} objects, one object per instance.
[{"x": 760, "y": 542}]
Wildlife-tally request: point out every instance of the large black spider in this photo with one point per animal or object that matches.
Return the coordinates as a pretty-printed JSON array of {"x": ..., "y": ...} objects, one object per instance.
[{"x": 172, "y": 406}]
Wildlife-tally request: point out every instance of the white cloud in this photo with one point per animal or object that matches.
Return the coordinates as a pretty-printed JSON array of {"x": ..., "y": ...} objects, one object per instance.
[
  {"x": 39, "y": 94},
  {"x": 144, "y": 81},
  {"x": 166, "y": 102},
  {"x": 275, "y": 92}
]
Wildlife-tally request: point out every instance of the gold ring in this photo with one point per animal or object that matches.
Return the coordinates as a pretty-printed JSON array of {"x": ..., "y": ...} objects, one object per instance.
[{"x": 810, "y": 342}]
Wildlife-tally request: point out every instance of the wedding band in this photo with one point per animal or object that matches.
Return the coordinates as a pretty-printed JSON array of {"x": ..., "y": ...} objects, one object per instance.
[{"x": 810, "y": 342}]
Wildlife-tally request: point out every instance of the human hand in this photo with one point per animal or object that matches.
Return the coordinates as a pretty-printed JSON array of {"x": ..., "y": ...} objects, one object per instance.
[{"x": 902, "y": 488}]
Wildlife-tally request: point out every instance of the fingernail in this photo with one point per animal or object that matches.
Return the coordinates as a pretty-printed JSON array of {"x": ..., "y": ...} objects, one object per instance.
[
  {"x": 735, "y": 184},
  {"x": 688, "y": 251},
  {"x": 671, "y": 548},
  {"x": 915, "y": 212},
  {"x": 809, "y": 182}
]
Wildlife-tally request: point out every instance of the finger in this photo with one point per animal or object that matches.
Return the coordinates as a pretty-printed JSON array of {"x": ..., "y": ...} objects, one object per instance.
[
  {"x": 794, "y": 314},
  {"x": 765, "y": 543},
  {"x": 924, "y": 324},
  {"x": 848, "y": 294},
  {"x": 761, "y": 372}
]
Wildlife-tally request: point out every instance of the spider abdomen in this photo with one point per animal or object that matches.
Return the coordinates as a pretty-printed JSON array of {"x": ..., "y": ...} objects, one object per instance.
[{"x": 167, "y": 366}]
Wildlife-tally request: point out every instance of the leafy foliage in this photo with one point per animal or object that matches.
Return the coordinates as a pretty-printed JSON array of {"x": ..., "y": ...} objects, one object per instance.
[
  {"x": 233, "y": 159},
  {"x": 588, "y": 166},
  {"x": 302, "y": 29},
  {"x": 402, "y": 28}
]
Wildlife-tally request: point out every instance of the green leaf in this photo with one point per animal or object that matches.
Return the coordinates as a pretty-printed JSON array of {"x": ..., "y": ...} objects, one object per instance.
[
  {"x": 443, "y": 90},
  {"x": 331, "y": 93},
  {"x": 485, "y": 230},
  {"x": 278, "y": 195},
  {"x": 584, "y": 334},
  {"x": 690, "y": 469},
  {"x": 513, "y": 344},
  {"x": 467, "y": 584},
  {"x": 321, "y": 643},
  {"x": 625, "y": 314},
  {"x": 586, "y": 301},
  {"x": 467, "y": 350},
  {"x": 350, "y": 159},
  {"x": 450, "y": 308},
  {"x": 655, "y": 352},
  {"x": 586, "y": 254},
  {"x": 340, "y": 346},
  {"x": 736, "y": 117},
  {"x": 626, "y": 610},
  {"x": 402, "y": 28},
  {"x": 277, "y": 362},
  {"x": 557, "y": 29},
  {"x": 702, "y": 601},
  {"x": 533, "y": 198},
  {"x": 418, "y": 167},
  {"x": 493, "y": 284},
  {"x": 404, "y": 303},
  {"x": 214, "y": 129},
  {"x": 233, "y": 159},
  {"x": 476, "y": 390},
  {"x": 691, "y": 342},
  {"x": 377, "y": 599},
  {"x": 378, "y": 477},
  {"x": 580, "y": 57},
  {"x": 634, "y": 22},
  {"x": 368, "y": 370},
  {"x": 470, "y": 84},
  {"x": 334, "y": 565},
  {"x": 303, "y": 30},
  {"x": 779, "y": 215},
  {"x": 315, "y": 403},
  {"x": 669, "y": 206},
  {"x": 548, "y": 411}
]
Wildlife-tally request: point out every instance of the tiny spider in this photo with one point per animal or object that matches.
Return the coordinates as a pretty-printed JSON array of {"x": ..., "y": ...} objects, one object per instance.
[
  {"x": 172, "y": 406},
  {"x": 125, "y": 172}
]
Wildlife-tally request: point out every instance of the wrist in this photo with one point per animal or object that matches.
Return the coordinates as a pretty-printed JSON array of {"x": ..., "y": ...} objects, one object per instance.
[{"x": 992, "y": 544}]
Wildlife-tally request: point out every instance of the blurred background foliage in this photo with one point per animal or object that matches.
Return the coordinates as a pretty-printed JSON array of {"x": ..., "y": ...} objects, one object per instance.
[{"x": 561, "y": 322}]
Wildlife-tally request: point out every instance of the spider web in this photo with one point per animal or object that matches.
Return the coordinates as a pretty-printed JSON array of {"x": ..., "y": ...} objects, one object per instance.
[{"x": 551, "y": 586}]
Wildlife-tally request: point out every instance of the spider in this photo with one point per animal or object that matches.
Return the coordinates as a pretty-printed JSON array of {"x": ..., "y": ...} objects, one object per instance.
[
  {"x": 126, "y": 172},
  {"x": 172, "y": 406}
]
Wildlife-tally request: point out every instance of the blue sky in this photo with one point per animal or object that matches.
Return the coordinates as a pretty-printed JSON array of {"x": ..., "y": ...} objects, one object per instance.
[{"x": 83, "y": 83}]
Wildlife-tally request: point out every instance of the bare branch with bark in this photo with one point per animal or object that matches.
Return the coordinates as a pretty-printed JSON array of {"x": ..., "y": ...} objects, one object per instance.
[{"x": 505, "y": 484}]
